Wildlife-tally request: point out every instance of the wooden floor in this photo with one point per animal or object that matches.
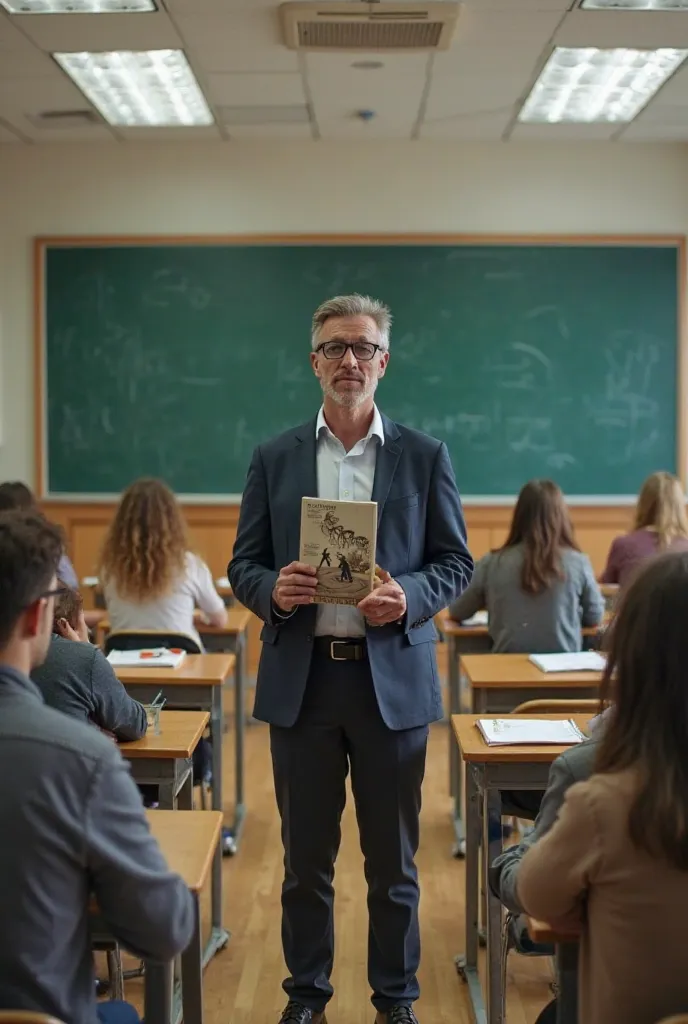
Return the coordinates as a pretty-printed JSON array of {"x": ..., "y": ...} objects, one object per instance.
[{"x": 243, "y": 983}]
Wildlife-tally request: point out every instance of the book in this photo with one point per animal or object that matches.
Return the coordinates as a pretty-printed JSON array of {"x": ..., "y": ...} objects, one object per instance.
[
  {"x": 529, "y": 731},
  {"x": 479, "y": 619},
  {"x": 582, "y": 661},
  {"x": 151, "y": 657},
  {"x": 339, "y": 539}
]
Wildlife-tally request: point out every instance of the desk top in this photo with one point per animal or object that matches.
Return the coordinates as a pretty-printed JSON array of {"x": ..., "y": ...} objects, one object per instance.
[
  {"x": 475, "y": 749},
  {"x": 540, "y": 931},
  {"x": 238, "y": 619},
  {"x": 516, "y": 671},
  {"x": 450, "y": 627},
  {"x": 180, "y": 732},
  {"x": 188, "y": 840},
  {"x": 195, "y": 670}
]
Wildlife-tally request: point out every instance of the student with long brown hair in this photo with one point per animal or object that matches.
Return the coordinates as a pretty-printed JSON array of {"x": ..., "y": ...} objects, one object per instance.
[
  {"x": 151, "y": 580},
  {"x": 614, "y": 866},
  {"x": 660, "y": 524},
  {"x": 539, "y": 589}
]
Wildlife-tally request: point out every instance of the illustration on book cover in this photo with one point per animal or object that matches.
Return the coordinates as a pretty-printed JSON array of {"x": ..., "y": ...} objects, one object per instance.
[{"x": 338, "y": 538}]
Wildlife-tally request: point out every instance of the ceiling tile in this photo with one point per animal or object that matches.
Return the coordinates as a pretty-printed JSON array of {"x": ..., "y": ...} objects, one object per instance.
[
  {"x": 489, "y": 38},
  {"x": 32, "y": 64},
  {"x": 636, "y": 29},
  {"x": 244, "y": 88},
  {"x": 10, "y": 36},
  {"x": 203, "y": 133},
  {"x": 269, "y": 131},
  {"x": 8, "y": 136},
  {"x": 562, "y": 132},
  {"x": 350, "y": 128},
  {"x": 75, "y": 32},
  {"x": 32, "y": 96},
  {"x": 521, "y": 5},
  {"x": 90, "y": 132},
  {"x": 216, "y": 6},
  {"x": 247, "y": 40},
  {"x": 470, "y": 128}
]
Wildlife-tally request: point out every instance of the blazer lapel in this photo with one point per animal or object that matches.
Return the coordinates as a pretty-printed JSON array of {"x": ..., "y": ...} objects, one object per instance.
[
  {"x": 304, "y": 475},
  {"x": 385, "y": 466}
]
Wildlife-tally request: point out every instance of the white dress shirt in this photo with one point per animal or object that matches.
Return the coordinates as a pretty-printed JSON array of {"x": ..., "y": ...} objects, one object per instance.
[{"x": 347, "y": 476}]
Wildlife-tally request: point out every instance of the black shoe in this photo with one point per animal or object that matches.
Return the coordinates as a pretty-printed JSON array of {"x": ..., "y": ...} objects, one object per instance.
[
  {"x": 297, "y": 1013},
  {"x": 397, "y": 1015}
]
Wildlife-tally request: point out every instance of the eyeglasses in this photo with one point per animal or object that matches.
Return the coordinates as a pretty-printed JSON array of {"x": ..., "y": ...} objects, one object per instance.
[
  {"x": 362, "y": 350},
  {"x": 56, "y": 592}
]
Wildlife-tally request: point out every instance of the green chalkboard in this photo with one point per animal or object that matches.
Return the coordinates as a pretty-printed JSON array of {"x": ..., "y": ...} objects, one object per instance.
[{"x": 176, "y": 360}]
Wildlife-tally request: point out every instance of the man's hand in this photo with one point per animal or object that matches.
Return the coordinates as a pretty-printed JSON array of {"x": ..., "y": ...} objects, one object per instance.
[
  {"x": 387, "y": 603},
  {"x": 63, "y": 628},
  {"x": 295, "y": 585}
]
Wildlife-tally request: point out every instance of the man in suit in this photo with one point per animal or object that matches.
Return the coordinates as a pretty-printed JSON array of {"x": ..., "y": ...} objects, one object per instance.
[{"x": 350, "y": 688}]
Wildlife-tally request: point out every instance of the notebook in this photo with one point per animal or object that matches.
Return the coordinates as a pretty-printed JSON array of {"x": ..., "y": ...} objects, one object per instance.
[
  {"x": 529, "y": 731},
  {"x": 583, "y": 661},
  {"x": 479, "y": 619},
  {"x": 150, "y": 657}
]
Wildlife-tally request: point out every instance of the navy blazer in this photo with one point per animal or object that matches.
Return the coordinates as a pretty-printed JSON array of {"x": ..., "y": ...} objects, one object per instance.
[{"x": 421, "y": 541}]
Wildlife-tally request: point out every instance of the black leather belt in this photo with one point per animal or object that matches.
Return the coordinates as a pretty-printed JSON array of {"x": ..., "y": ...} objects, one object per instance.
[{"x": 340, "y": 648}]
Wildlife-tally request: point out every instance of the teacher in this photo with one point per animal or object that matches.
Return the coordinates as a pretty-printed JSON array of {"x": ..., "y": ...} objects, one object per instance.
[{"x": 339, "y": 694}]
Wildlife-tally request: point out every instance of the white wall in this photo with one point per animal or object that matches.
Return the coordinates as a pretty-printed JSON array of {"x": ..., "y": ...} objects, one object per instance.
[{"x": 269, "y": 188}]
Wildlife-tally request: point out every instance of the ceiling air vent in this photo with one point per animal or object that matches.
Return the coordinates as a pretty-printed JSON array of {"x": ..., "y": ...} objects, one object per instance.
[
  {"x": 401, "y": 27},
  {"x": 64, "y": 119}
]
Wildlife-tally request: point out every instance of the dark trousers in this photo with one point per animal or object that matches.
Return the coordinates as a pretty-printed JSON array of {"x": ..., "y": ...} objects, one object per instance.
[{"x": 340, "y": 729}]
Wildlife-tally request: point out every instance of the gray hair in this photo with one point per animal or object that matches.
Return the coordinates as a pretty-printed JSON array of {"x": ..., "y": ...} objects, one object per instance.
[{"x": 353, "y": 305}]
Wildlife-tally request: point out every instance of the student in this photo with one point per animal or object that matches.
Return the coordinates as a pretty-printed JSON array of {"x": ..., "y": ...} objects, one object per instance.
[
  {"x": 15, "y": 494},
  {"x": 538, "y": 588},
  {"x": 150, "y": 578},
  {"x": 614, "y": 865},
  {"x": 660, "y": 524},
  {"x": 72, "y": 817},
  {"x": 78, "y": 680}
]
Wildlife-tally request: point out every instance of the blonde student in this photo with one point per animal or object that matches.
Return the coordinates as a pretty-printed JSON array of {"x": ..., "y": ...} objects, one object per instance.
[
  {"x": 539, "y": 589},
  {"x": 660, "y": 525},
  {"x": 614, "y": 866},
  {"x": 151, "y": 580}
]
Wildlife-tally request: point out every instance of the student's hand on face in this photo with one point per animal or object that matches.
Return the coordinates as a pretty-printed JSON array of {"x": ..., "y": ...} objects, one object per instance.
[
  {"x": 295, "y": 585},
  {"x": 82, "y": 630},
  {"x": 68, "y": 632}
]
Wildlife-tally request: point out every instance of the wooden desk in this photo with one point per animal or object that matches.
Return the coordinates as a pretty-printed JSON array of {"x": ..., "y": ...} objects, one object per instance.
[
  {"x": 461, "y": 641},
  {"x": 164, "y": 760},
  {"x": 198, "y": 684},
  {"x": 489, "y": 772},
  {"x": 189, "y": 843},
  {"x": 566, "y": 955}
]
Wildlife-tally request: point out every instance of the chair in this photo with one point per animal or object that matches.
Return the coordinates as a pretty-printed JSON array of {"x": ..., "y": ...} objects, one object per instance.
[
  {"x": 26, "y": 1017},
  {"x": 135, "y": 639},
  {"x": 547, "y": 706},
  {"x": 680, "y": 1018}
]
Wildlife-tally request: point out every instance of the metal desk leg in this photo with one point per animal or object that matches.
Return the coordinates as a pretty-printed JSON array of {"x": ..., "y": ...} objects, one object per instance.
[
  {"x": 158, "y": 999},
  {"x": 491, "y": 849},
  {"x": 467, "y": 965},
  {"x": 567, "y": 982},
  {"x": 455, "y": 773},
  {"x": 192, "y": 973},
  {"x": 239, "y": 727},
  {"x": 185, "y": 800},
  {"x": 219, "y": 937}
]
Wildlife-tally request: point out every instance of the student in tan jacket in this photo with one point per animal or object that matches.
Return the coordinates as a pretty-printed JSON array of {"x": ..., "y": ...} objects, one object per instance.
[{"x": 615, "y": 864}]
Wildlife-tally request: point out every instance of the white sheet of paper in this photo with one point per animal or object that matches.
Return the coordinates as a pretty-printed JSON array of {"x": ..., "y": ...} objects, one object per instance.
[
  {"x": 479, "y": 619},
  {"x": 161, "y": 658},
  {"x": 527, "y": 731},
  {"x": 582, "y": 661}
]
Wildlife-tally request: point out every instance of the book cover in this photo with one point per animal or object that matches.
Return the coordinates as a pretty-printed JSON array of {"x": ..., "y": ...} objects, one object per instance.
[{"x": 338, "y": 538}]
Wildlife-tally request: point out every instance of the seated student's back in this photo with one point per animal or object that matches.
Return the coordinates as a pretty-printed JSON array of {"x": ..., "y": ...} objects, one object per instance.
[
  {"x": 660, "y": 525},
  {"x": 614, "y": 865},
  {"x": 539, "y": 589},
  {"x": 151, "y": 581}
]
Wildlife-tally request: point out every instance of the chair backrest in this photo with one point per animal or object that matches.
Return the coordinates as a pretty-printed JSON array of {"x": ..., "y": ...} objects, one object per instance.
[
  {"x": 134, "y": 640},
  {"x": 680, "y": 1018},
  {"x": 26, "y": 1017},
  {"x": 583, "y": 706}
]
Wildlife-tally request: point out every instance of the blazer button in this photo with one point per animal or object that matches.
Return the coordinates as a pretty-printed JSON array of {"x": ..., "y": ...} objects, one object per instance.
[{"x": 309, "y": 638}]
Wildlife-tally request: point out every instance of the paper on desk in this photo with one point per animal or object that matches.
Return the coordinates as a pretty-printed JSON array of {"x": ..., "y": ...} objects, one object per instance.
[
  {"x": 90, "y": 581},
  {"x": 582, "y": 661},
  {"x": 150, "y": 657},
  {"x": 222, "y": 583},
  {"x": 529, "y": 731},
  {"x": 479, "y": 619}
]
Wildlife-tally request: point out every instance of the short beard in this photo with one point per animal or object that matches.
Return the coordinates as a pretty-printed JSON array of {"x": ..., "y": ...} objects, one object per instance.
[{"x": 349, "y": 399}]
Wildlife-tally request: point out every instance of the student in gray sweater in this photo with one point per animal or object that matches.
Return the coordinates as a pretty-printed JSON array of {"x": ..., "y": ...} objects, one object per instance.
[
  {"x": 77, "y": 679},
  {"x": 539, "y": 589}
]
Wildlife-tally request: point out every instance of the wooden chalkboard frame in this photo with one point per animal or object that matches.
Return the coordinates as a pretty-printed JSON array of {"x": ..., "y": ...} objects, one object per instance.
[{"x": 43, "y": 243}]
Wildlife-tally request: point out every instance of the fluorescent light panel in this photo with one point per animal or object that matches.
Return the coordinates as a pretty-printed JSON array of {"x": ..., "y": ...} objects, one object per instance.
[
  {"x": 154, "y": 88},
  {"x": 588, "y": 85},
  {"x": 78, "y": 6},
  {"x": 635, "y": 5}
]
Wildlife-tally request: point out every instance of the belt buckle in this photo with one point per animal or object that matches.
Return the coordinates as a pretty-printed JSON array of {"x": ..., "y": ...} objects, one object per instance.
[{"x": 332, "y": 654}]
